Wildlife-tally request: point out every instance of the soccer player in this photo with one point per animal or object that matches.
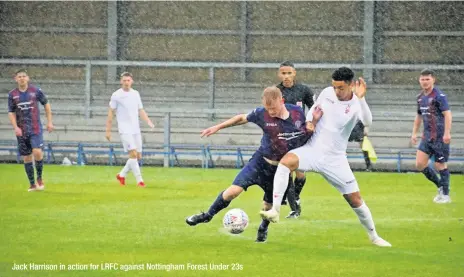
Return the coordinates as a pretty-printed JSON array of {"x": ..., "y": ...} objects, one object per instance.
[
  {"x": 284, "y": 129},
  {"x": 127, "y": 105},
  {"x": 433, "y": 109},
  {"x": 24, "y": 115},
  {"x": 358, "y": 134},
  {"x": 326, "y": 151},
  {"x": 300, "y": 95}
]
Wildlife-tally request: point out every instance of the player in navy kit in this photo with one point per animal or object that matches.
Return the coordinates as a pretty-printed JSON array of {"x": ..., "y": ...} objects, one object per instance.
[
  {"x": 24, "y": 115},
  {"x": 433, "y": 109},
  {"x": 301, "y": 95},
  {"x": 284, "y": 128}
]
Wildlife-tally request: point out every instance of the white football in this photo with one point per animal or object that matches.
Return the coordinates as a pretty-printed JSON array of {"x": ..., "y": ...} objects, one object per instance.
[{"x": 235, "y": 221}]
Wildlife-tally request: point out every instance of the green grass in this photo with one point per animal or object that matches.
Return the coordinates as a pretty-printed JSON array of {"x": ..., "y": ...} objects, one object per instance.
[{"x": 85, "y": 217}]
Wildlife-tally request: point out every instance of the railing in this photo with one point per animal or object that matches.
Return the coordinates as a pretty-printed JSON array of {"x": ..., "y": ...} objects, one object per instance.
[
  {"x": 172, "y": 154},
  {"x": 211, "y": 66}
]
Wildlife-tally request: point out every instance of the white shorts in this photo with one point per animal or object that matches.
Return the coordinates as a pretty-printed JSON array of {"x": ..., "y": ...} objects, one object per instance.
[
  {"x": 335, "y": 169},
  {"x": 131, "y": 142}
]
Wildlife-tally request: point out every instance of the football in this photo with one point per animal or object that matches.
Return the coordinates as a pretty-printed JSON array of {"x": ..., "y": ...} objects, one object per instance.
[{"x": 235, "y": 221}]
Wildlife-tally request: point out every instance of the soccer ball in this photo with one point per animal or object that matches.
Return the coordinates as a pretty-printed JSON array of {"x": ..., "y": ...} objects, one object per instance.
[{"x": 235, "y": 221}]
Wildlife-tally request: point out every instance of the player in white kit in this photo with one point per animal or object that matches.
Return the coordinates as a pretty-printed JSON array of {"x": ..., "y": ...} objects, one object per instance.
[
  {"x": 127, "y": 105},
  {"x": 335, "y": 114}
]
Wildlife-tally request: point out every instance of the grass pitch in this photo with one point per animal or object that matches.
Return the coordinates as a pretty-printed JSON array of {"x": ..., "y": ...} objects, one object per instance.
[{"x": 85, "y": 224}]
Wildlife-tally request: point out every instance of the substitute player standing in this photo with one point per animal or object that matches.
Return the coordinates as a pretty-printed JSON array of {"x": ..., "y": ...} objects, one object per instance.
[
  {"x": 326, "y": 151},
  {"x": 24, "y": 115},
  {"x": 301, "y": 95},
  {"x": 433, "y": 109},
  {"x": 127, "y": 105}
]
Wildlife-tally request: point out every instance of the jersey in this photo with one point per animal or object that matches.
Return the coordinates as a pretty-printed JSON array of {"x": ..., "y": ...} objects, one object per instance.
[
  {"x": 280, "y": 136},
  {"x": 336, "y": 124},
  {"x": 431, "y": 108},
  {"x": 299, "y": 94},
  {"x": 127, "y": 105},
  {"x": 25, "y": 105}
]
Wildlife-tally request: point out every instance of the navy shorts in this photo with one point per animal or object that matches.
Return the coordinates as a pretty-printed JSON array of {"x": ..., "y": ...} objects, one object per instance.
[
  {"x": 257, "y": 172},
  {"x": 27, "y": 142},
  {"x": 438, "y": 149}
]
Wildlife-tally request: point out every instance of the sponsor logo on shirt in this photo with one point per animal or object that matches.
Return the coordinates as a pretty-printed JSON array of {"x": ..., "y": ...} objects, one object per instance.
[
  {"x": 271, "y": 124},
  {"x": 290, "y": 136}
]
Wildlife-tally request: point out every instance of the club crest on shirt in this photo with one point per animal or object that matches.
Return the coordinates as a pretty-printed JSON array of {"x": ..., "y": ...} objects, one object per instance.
[
  {"x": 347, "y": 109},
  {"x": 298, "y": 124}
]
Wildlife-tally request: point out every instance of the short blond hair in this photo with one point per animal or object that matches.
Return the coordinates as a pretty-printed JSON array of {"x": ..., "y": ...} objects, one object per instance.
[{"x": 271, "y": 94}]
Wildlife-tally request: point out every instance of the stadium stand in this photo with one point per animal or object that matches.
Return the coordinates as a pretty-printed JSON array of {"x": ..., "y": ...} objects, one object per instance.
[{"x": 189, "y": 32}]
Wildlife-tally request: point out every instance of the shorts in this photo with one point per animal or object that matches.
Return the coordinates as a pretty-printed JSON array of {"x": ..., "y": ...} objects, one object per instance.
[
  {"x": 437, "y": 149},
  {"x": 28, "y": 142},
  {"x": 257, "y": 172},
  {"x": 334, "y": 168},
  {"x": 131, "y": 142}
]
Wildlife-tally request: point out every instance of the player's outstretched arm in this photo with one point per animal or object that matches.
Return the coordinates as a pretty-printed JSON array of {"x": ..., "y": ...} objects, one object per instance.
[
  {"x": 109, "y": 122},
  {"x": 360, "y": 91},
  {"x": 48, "y": 113},
  {"x": 144, "y": 116},
  {"x": 12, "y": 117},
  {"x": 234, "y": 121},
  {"x": 415, "y": 128},
  {"x": 448, "y": 120}
]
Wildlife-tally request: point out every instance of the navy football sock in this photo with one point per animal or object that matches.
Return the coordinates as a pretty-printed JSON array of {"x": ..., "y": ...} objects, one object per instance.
[
  {"x": 444, "y": 181},
  {"x": 30, "y": 172},
  {"x": 264, "y": 224},
  {"x": 431, "y": 174},
  {"x": 39, "y": 168},
  {"x": 218, "y": 205}
]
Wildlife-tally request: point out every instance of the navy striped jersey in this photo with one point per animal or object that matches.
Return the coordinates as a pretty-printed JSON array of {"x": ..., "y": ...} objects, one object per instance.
[
  {"x": 280, "y": 136},
  {"x": 431, "y": 108},
  {"x": 25, "y": 105}
]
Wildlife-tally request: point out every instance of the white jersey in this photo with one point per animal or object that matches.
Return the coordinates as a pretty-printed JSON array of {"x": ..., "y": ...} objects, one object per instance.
[
  {"x": 127, "y": 105},
  {"x": 338, "y": 120}
]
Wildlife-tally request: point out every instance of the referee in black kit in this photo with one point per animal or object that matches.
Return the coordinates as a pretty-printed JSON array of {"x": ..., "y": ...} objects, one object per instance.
[{"x": 300, "y": 95}]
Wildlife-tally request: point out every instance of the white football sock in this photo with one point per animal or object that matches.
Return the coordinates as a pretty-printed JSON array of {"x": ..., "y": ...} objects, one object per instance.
[
  {"x": 136, "y": 170},
  {"x": 125, "y": 169},
  {"x": 280, "y": 185},
  {"x": 365, "y": 217}
]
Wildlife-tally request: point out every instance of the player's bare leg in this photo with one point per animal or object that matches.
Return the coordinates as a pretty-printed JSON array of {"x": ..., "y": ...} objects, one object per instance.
[
  {"x": 262, "y": 230},
  {"x": 222, "y": 201},
  {"x": 365, "y": 217},
  {"x": 286, "y": 165},
  {"x": 444, "y": 197},
  {"x": 422, "y": 165},
  {"x": 38, "y": 158},
  {"x": 29, "y": 168}
]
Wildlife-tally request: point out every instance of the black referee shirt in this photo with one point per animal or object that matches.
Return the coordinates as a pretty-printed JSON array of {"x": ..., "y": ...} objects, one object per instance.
[{"x": 299, "y": 94}]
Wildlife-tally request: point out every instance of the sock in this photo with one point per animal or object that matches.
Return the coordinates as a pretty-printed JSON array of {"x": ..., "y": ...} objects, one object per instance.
[
  {"x": 126, "y": 168},
  {"x": 291, "y": 197},
  {"x": 280, "y": 185},
  {"x": 136, "y": 170},
  {"x": 299, "y": 184},
  {"x": 366, "y": 159},
  {"x": 365, "y": 217},
  {"x": 444, "y": 181},
  {"x": 30, "y": 172},
  {"x": 264, "y": 224},
  {"x": 218, "y": 205},
  {"x": 39, "y": 169},
  {"x": 431, "y": 174}
]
